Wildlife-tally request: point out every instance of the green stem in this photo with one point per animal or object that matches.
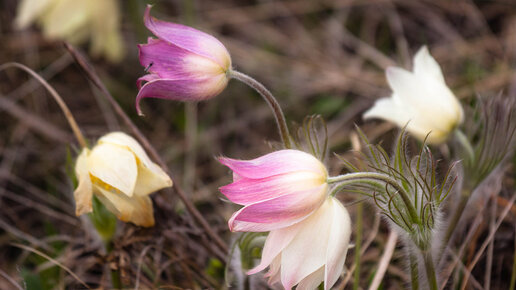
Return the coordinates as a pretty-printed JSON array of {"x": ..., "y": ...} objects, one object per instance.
[
  {"x": 271, "y": 101},
  {"x": 358, "y": 243},
  {"x": 430, "y": 270},
  {"x": 463, "y": 140},
  {"x": 414, "y": 272},
  {"x": 384, "y": 178}
]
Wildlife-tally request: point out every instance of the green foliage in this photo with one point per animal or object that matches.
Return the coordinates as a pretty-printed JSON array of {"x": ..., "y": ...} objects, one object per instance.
[{"x": 103, "y": 220}]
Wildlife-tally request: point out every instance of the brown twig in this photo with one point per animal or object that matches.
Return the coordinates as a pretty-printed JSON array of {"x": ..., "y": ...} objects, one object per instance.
[{"x": 90, "y": 73}]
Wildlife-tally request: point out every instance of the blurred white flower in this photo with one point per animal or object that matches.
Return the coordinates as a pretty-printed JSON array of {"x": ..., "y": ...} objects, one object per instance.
[
  {"x": 76, "y": 21},
  {"x": 119, "y": 172},
  {"x": 420, "y": 100}
]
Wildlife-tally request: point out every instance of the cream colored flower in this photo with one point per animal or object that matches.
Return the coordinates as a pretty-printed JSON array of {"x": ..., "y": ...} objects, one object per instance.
[
  {"x": 420, "y": 100},
  {"x": 76, "y": 21},
  {"x": 119, "y": 172}
]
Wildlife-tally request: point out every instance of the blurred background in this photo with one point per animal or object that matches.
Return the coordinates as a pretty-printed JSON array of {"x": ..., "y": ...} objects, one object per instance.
[{"x": 322, "y": 57}]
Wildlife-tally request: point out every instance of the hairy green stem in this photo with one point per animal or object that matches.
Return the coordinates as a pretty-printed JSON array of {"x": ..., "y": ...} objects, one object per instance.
[
  {"x": 414, "y": 272},
  {"x": 384, "y": 178},
  {"x": 271, "y": 101},
  {"x": 430, "y": 270}
]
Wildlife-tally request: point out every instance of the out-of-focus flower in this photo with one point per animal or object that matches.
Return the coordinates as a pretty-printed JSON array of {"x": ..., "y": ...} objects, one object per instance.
[
  {"x": 119, "y": 172},
  {"x": 77, "y": 21},
  {"x": 309, "y": 252},
  {"x": 277, "y": 190},
  {"x": 420, "y": 100},
  {"x": 184, "y": 63}
]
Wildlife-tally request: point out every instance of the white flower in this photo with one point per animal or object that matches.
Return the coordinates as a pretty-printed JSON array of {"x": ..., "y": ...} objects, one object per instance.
[
  {"x": 119, "y": 172},
  {"x": 77, "y": 21},
  {"x": 420, "y": 100},
  {"x": 309, "y": 252}
]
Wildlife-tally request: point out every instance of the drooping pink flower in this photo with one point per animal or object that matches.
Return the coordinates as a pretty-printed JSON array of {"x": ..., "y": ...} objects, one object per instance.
[
  {"x": 184, "y": 64},
  {"x": 277, "y": 190},
  {"x": 308, "y": 252}
]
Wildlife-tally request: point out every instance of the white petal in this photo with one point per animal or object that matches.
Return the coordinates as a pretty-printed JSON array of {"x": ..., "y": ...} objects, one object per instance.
[
  {"x": 151, "y": 180},
  {"x": 307, "y": 251},
  {"x": 115, "y": 166},
  {"x": 124, "y": 140},
  {"x": 275, "y": 243},
  {"x": 312, "y": 281},
  {"x": 338, "y": 243},
  {"x": 426, "y": 66},
  {"x": 136, "y": 209},
  {"x": 84, "y": 192},
  {"x": 29, "y": 10}
]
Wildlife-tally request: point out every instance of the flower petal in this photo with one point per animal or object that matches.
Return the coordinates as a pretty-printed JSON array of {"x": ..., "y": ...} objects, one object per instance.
[
  {"x": 426, "y": 66},
  {"x": 338, "y": 243},
  {"x": 279, "y": 212},
  {"x": 136, "y": 209},
  {"x": 275, "y": 243},
  {"x": 312, "y": 242},
  {"x": 312, "y": 281},
  {"x": 275, "y": 163},
  {"x": 189, "y": 39},
  {"x": 173, "y": 62},
  {"x": 247, "y": 191},
  {"x": 28, "y": 10},
  {"x": 115, "y": 166},
  {"x": 84, "y": 191},
  {"x": 182, "y": 89}
]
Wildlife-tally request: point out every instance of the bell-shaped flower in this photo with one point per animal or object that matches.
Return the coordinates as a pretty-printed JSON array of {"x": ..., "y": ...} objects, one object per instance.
[
  {"x": 121, "y": 175},
  {"x": 277, "y": 190},
  {"x": 309, "y": 252},
  {"x": 76, "y": 21},
  {"x": 420, "y": 100},
  {"x": 184, "y": 64}
]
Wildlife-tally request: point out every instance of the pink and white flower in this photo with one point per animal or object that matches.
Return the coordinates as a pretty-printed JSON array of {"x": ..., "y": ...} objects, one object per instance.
[
  {"x": 277, "y": 190},
  {"x": 184, "y": 64},
  {"x": 308, "y": 252}
]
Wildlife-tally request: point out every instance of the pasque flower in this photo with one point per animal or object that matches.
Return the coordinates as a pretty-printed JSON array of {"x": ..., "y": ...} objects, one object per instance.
[
  {"x": 308, "y": 252},
  {"x": 121, "y": 175},
  {"x": 184, "y": 64},
  {"x": 420, "y": 100},
  {"x": 277, "y": 190},
  {"x": 77, "y": 21}
]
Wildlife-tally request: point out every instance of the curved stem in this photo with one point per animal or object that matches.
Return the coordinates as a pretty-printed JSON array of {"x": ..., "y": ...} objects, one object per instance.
[
  {"x": 64, "y": 108},
  {"x": 384, "y": 178},
  {"x": 271, "y": 101}
]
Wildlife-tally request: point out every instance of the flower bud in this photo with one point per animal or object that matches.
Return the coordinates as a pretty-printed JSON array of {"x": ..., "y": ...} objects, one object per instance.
[
  {"x": 184, "y": 64},
  {"x": 277, "y": 190},
  {"x": 309, "y": 252},
  {"x": 121, "y": 175},
  {"x": 420, "y": 100}
]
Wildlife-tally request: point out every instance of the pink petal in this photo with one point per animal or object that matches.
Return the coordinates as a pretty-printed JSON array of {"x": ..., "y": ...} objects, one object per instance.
[
  {"x": 275, "y": 163},
  {"x": 246, "y": 191},
  {"x": 182, "y": 89},
  {"x": 279, "y": 212},
  {"x": 189, "y": 39},
  {"x": 164, "y": 59}
]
